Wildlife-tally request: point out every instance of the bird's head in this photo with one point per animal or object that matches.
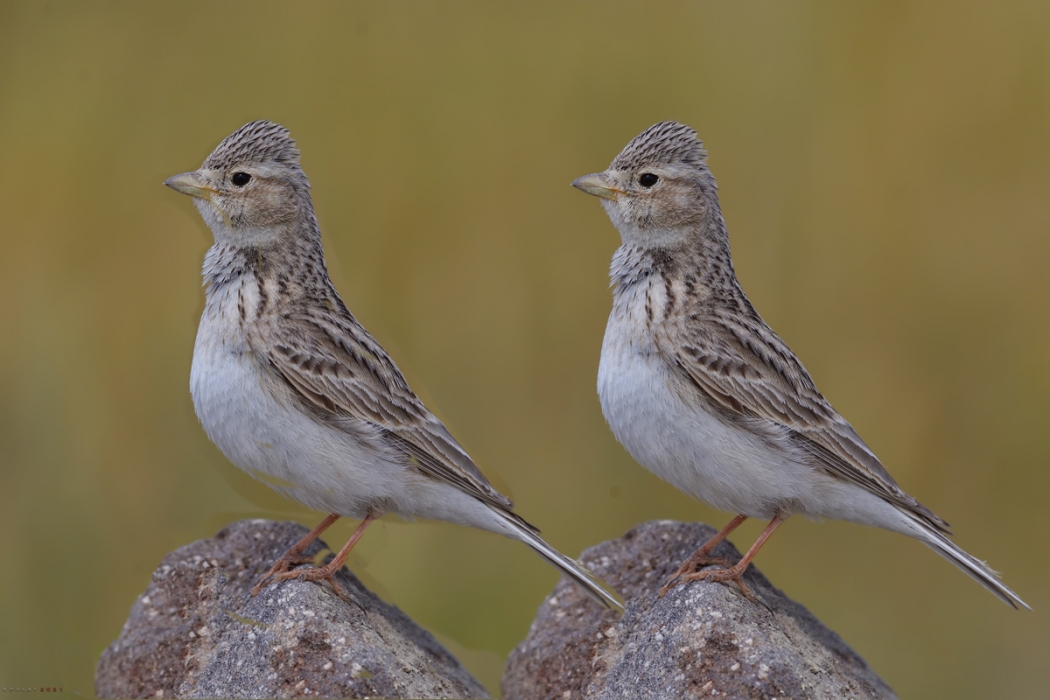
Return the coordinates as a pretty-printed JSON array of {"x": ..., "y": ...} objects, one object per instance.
[
  {"x": 658, "y": 191},
  {"x": 251, "y": 189}
]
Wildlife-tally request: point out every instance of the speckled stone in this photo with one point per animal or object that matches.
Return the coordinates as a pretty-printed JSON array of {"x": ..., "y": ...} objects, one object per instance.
[
  {"x": 195, "y": 632},
  {"x": 701, "y": 640}
]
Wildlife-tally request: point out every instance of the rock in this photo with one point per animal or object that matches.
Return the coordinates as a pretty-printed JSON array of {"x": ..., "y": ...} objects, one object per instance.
[
  {"x": 700, "y": 640},
  {"x": 195, "y": 632}
]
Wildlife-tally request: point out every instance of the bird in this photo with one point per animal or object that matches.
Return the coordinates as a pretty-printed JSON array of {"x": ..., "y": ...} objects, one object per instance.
[
  {"x": 291, "y": 387},
  {"x": 702, "y": 392}
]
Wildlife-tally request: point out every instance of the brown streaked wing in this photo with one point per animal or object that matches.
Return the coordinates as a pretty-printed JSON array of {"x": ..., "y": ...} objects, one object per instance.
[
  {"x": 757, "y": 375},
  {"x": 338, "y": 367}
]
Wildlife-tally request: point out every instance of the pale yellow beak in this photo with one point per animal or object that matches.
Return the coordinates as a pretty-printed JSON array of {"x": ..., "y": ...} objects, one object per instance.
[
  {"x": 598, "y": 184},
  {"x": 191, "y": 184}
]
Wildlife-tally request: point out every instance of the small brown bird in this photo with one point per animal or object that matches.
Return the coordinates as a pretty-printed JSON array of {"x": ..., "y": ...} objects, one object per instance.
[
  {"x": 704, "y": 394},
  {"x": 292, "y": 388}
]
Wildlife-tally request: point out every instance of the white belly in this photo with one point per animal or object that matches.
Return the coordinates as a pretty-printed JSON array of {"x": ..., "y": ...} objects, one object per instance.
[
  {"x": 754, "y": 468},
  {"x": 350, "y": 471},
  {"x": 273, "y": 441},
  {"x": 699, "y": 453}
]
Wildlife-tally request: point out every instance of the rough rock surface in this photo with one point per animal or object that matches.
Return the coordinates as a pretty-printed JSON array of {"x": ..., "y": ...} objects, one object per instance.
[
  {"x": 701, "y": 640},
  {"x": 195, "y": 632}
]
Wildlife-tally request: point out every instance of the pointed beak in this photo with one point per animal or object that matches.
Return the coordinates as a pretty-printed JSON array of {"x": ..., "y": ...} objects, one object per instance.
[
  {"x": 598, "y": 184},
  {"x": 192, "y": 184}
]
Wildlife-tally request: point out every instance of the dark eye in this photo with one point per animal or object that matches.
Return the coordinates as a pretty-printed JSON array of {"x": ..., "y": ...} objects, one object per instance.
[
  {"x": 242, "y": 179},
  {"x": 647, "y": 180}
]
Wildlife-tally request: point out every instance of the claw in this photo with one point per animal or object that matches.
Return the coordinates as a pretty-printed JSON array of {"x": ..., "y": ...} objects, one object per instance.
[
  {"x": 687, "y": 572},
  {"x": 282, "y": 570},
  {"x": 324, "y": 573},
  {"x": 282, "y": 566},
  {"x": 689, "y": 568},
  {"x": 734, "y": 574},
  {"x": 294, "y": 556}
]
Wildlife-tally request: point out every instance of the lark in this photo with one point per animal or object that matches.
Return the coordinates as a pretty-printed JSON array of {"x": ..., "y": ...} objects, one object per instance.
[
  {"x": 293, "y": 390},
  {"x": 704, "y": 394}
]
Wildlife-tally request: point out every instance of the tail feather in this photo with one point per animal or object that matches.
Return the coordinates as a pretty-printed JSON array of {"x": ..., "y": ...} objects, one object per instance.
[
  {"x": 975, "y": 568},
  {"x": 581, "y": 576}
]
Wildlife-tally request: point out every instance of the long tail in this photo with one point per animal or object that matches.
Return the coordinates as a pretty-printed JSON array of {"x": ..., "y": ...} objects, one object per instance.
[
  {"x": 975, "y": 568},
  {"x": 583, "y": 578}
]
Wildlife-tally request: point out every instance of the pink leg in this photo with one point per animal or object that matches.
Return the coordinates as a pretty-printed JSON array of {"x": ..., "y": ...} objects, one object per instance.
[
  {"x": 701, "y": 556},
  {"x": 329, "y": 570},
  {"x": 294, "y": 556},
  {"x": 734, "y": 572}
]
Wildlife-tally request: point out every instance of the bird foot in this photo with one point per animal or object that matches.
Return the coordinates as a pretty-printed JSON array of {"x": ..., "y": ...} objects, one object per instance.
[
  {"x": 284, "y": 565},
  {"x": 324, "y": 573},
  {"x": 690, "y": 567},
  {"x": 733, "y": 573}
]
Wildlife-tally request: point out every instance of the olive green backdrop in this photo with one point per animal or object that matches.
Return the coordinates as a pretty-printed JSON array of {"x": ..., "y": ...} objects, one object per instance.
[{"x": 883, "y": 169}]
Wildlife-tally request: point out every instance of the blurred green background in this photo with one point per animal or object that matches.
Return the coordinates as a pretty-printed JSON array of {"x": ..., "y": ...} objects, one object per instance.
[{"x": 883, "y": 170}]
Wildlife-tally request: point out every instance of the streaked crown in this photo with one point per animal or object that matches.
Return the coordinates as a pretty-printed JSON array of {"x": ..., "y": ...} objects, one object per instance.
[
  {"x": 664, "y": 143},
  {"x": 256, "y": 142}
]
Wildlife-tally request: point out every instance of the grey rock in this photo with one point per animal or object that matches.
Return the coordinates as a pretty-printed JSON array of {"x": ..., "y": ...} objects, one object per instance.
[
  {"x": 195, "y": 632},
  {"x": 701, "y": 640}
]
